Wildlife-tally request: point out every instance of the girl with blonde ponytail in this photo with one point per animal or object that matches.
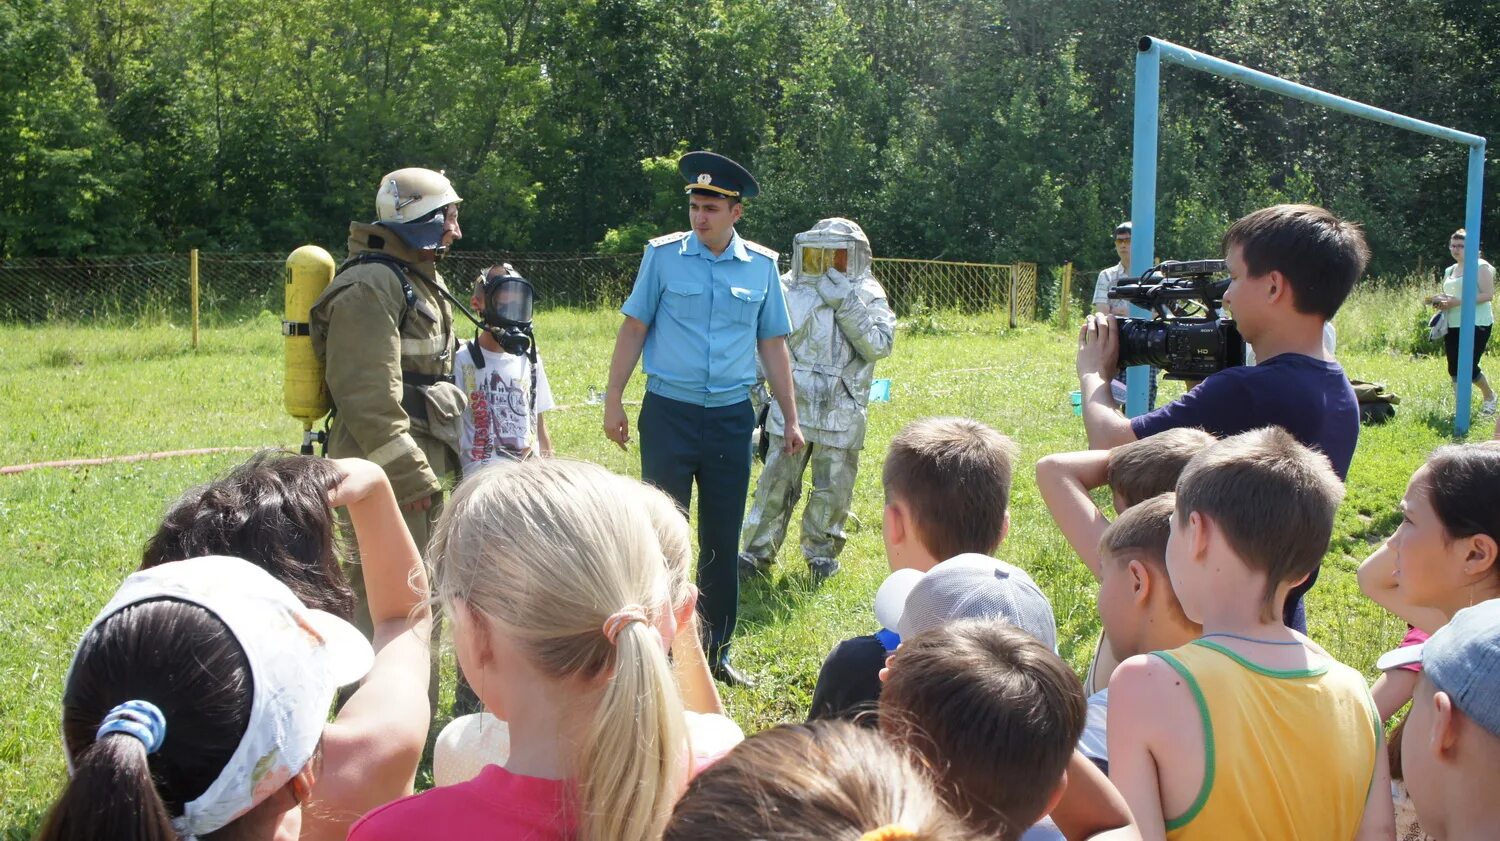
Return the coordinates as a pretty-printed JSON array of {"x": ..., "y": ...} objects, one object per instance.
[
  {"x": 563, "y": 617},
  {"x": 470, "y": 742}
]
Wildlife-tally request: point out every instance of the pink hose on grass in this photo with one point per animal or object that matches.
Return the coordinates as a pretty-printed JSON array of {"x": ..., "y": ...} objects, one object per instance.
[{"x": 90, "y": 462}]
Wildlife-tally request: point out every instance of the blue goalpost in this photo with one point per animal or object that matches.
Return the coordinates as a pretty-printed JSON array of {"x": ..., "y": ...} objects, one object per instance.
[{"x": 1152, "y": 52}]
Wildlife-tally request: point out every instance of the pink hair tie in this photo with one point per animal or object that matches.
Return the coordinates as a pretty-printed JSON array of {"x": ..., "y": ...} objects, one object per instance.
[{"x": 622, "y": 617}]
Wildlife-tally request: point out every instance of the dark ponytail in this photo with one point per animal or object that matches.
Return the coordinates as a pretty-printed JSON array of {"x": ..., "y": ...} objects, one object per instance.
[
  {"x": 182, "y": 659},
  {"x": 110, "y": 795}
]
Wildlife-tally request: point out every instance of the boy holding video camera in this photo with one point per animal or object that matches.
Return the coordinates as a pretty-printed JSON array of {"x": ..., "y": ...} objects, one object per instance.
[{"x": 1291, "y": 266}]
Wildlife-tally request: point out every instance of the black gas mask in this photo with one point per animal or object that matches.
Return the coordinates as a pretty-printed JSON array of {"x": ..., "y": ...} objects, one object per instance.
[{"x": 505, "y": 308}]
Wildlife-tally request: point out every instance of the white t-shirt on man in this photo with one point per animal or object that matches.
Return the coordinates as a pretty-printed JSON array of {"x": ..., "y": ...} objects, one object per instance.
[
  {"x": 500, "y": 421},
  {"x": 1107, "y": 281}
]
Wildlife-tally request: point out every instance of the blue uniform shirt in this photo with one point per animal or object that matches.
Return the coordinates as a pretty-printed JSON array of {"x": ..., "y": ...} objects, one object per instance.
[{"x": 705, "y": 315}]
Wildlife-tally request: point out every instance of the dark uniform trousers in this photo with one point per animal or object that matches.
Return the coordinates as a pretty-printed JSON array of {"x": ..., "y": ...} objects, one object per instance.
[{"x": 681, "y": 442}]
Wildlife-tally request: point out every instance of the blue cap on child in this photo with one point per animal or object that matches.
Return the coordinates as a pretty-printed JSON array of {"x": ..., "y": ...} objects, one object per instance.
[{"x": 1463, "y": 660}]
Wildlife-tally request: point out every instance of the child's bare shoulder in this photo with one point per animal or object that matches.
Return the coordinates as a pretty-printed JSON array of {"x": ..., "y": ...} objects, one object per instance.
[
  {"x": 1144, "y": 670},
  {"x": 1149, "y": 687}
]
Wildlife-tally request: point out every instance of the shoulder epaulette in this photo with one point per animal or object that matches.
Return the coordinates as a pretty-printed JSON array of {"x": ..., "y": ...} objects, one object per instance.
[
  {"x": 761, "y": 250},
  {"x": 667, "y": 239}
]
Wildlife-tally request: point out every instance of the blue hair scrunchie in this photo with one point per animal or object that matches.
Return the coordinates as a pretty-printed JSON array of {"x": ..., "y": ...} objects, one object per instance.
[{"x": 141, "y": 719}]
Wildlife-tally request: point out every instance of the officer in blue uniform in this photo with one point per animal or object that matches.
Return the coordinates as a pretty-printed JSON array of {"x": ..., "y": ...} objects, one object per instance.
[{"x": 705, "y": 302}]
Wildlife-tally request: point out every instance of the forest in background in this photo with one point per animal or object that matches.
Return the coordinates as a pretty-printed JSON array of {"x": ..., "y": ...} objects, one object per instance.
[{"x": 984, "y": 130}]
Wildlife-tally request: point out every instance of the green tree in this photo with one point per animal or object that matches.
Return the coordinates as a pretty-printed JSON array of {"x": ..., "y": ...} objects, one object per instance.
[{"x": 53, "y": 136}]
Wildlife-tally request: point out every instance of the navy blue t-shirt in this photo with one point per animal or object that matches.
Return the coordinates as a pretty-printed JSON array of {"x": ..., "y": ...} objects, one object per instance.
[
  {"x": 848, "y": 685},
  {"x": 1307, "y": 397}
]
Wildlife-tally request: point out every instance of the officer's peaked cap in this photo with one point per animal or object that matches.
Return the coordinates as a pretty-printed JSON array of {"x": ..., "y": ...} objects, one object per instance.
[{"x": 712, "y": 174}]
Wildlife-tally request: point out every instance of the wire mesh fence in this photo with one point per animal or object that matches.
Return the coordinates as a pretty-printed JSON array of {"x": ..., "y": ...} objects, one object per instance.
[
  {"x": 921, "y": 285},
  {"x": 1023, "y": 292},
  {"x": 136, "y": 288},
  {"x": 1075, "y": 287},
  {"x": 155, "y": 288}
]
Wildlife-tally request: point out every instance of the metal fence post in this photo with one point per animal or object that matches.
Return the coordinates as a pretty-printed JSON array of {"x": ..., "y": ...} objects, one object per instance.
[
  {"x": 1015, "y": 270},
  {"x": 193, "y": 291},
  {"x": 1067, "y": 293}
]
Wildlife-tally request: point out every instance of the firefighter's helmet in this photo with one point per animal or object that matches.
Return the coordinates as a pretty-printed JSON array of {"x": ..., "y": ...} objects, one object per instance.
[{"x": 412, "y": 194}]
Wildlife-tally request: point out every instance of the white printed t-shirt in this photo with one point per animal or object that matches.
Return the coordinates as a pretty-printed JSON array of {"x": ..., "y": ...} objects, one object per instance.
[{"x": 499, "y": 422}]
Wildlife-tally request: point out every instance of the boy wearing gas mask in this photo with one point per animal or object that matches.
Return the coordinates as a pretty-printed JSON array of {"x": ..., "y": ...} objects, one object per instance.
[
  {"x": 841, "y": 324},
  {"x": 503, "y": 376}
]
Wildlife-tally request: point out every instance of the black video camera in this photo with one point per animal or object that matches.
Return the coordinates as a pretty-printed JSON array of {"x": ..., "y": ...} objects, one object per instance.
[{"x": 1186, "y": 338}]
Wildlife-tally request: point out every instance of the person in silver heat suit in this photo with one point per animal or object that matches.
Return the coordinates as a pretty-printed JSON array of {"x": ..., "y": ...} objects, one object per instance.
[{"x": 841, "y": 325}]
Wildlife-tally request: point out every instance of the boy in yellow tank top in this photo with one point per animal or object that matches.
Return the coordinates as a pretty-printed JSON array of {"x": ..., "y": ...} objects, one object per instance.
[{"x": 1251, "y": 731}]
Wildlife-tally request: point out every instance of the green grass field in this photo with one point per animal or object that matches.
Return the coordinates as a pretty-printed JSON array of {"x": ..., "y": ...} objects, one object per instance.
[{"x": 70, "y": 535}]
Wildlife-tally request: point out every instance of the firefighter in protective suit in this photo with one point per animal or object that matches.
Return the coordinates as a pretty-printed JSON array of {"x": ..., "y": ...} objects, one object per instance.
[
  {"x": 841, "y": 325},
  {"x": 384, "y": 333}
]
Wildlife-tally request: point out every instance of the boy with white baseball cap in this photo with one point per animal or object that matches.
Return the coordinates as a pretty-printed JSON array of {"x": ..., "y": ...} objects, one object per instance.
[
  {"x": 947, "y": 493},
  {"x": 979, "y": 656}
]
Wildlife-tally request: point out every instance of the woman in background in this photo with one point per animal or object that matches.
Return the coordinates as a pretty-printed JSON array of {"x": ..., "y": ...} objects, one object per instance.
[{"x": 1449, "y": 303}]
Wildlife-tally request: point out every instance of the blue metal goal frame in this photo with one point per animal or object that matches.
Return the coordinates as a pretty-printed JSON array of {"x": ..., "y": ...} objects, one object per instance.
[{"x": 1151, "y": 53}]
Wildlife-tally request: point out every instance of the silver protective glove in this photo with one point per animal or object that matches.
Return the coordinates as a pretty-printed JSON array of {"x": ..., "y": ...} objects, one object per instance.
[{"x": 833, "y": 288}]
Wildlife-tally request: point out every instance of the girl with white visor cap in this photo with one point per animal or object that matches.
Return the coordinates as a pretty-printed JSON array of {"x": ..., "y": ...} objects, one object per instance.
[{"x": 195, "y": 702}]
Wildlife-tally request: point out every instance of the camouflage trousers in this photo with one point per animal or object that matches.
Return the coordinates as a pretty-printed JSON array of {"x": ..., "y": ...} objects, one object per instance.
[{"x": 779, "y": 488}]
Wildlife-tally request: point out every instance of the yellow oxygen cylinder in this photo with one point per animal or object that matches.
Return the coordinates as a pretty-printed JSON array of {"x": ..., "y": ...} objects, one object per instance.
[{"x": 309, "y": 270}]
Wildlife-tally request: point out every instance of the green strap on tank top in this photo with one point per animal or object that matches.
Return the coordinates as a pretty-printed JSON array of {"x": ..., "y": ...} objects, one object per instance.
[{"x": 1208, "y": 743}]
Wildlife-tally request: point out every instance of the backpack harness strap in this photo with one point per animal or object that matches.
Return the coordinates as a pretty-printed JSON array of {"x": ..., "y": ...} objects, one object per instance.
[{"x": 413, "y": 401}]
